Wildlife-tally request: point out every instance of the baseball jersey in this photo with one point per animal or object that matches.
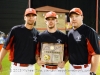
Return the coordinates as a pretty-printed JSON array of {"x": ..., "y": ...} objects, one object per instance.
[
  {"x": 82, "y": 44},
  {"x": 56, "y": 37},
  {"x": 21, "y": 42}
]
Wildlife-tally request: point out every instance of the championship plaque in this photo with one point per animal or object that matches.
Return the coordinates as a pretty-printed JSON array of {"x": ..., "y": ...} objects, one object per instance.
[{"x": 52, "y": 53}]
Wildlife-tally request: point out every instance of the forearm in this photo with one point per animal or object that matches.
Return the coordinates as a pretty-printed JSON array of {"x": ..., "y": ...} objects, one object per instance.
[
  {"x": 65, "y": 59},
  {"x": 94, "y": 63},
  {"x": 37, "y": 57},
  {"x": 3, "y": 52}
]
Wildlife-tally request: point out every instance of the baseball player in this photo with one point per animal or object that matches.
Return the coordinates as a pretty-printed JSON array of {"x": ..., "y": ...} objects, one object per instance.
[
  {"x": 51, "y": 35},
  {"x": 21, "y": 42},
  {"x": 83, "y": 46}
]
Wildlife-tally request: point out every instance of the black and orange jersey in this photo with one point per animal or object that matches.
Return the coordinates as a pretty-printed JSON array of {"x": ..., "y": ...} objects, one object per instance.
[
  {"x": 82, "y": 44},
  {"x": 21, "y": 42},
  {"x": 56, "y": 37}
]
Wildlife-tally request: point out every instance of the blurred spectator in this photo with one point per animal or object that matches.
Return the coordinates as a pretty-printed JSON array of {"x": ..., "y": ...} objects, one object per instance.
[{"x": 2, "y": 37}]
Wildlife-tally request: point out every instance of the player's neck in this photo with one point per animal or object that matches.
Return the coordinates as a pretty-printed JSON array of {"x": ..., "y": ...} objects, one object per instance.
[
  {"x": 29, "y": 26},
  {"x": 52, "y": 30}
]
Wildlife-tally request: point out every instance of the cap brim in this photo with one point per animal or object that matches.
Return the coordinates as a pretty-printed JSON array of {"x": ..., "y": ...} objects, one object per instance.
[
  {"x": 51, "y": 17},
  {"x": 31, "y": 13},
  {"x": 73, "y": 13}
]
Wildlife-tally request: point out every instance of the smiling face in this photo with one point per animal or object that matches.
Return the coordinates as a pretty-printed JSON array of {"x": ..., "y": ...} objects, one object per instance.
[{"x": 76, "y": 20}]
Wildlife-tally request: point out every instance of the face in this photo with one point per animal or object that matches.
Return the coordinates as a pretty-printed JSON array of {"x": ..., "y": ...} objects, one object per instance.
[
  {"x": 76, "y": 20},
  {"x": 30, "y": 19},
  {"x": 51, "y": 22}
]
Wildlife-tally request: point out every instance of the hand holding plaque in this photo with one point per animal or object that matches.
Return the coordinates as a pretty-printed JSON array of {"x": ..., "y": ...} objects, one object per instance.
[{"x": 52, "y": 53}]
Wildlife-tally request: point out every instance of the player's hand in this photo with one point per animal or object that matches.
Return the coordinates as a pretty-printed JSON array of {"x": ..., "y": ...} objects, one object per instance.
[
  {"x": 39, "y": 62},
  {"x": 61, "y": 64},
  {"x": 0, "y": 67}
]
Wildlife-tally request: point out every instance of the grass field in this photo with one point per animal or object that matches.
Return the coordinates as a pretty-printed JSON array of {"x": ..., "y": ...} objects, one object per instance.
[{"x": 6, "y": 67}]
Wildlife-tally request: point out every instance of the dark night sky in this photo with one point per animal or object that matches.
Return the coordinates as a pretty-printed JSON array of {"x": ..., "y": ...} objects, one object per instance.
[
  {"x": 88, "y": 7},
  {"x": 11, "y": 11}
]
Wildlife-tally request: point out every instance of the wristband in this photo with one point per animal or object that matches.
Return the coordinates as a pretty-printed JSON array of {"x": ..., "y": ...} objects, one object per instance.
[{"x": 92, "y": 73}]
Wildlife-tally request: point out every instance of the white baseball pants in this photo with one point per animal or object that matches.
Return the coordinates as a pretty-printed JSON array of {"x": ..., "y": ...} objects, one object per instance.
[
  {"x": 82, "y": 71},
  {"x": 18, "y": 70},
  {"x": 58, "y": 71}
]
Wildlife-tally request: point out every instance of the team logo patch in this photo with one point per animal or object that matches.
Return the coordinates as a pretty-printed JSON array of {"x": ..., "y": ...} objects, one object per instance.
[
  {"x": 78, "y": 38},
  {"x": 59, "y": 40},
  {"x": 76, "y": 35},
  {"x": 35, "y": 38}
]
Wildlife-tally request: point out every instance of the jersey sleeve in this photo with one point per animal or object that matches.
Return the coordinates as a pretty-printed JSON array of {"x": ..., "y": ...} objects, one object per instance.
[
  {"x": 38, "y": 48},
  {"x": 9, "y": 40},
  {"x": 65, "y": 48},
  {"x": 93, "y": 42}
]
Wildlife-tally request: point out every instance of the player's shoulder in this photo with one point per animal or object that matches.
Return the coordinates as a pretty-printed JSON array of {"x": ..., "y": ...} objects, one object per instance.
[
  {"x": 88, "y": 28},
  {"x": 43, "y": 33},
  {"x": 60, "y": 32},
  {"x": 17, "y": 26}
]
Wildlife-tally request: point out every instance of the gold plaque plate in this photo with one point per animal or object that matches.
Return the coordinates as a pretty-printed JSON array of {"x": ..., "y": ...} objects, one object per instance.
[{"x": 52, "y": 53}]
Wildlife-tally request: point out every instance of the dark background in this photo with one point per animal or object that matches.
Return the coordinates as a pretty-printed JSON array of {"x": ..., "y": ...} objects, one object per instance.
[{"x": 12, "y": 11}]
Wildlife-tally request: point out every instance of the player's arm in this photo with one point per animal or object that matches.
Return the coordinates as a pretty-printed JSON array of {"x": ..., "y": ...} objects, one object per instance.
[
  {"x": 66, "y": 50},
  {"x": 94, "y": 63},
  {"x": 37, "y": 56},
  {"x": 62, "y": 64},
  {"x": 66, "y": 59},
  {"x": 3, "y": 52},
  {"x": 7, "y": 46},
  {"x": 38, "y": 59},
  {"x": 94, "y": 50}
]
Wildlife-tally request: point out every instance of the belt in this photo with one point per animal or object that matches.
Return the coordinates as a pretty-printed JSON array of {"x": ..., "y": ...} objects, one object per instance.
[
  {"x": 80, "y": 66},
  {"x": 50, "y": 67},
  {"x": 22, "y": 65}
]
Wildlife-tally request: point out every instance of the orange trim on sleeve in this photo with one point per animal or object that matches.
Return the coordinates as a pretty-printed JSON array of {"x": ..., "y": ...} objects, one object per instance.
[
  {"x": 10, "y": 47},
  {"x": 11, "y": 54},
  {"x": 90, "y": 51},
  {"x": 9, "y": 44},
  {"x": 65, "y": 50},
  {"x": 37, "y": 49}
]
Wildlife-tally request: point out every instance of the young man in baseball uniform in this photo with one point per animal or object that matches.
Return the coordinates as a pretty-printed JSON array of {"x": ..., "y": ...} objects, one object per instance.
[
  {"x": 21, "y": 42},
  {"x": 54, "y": 36}
]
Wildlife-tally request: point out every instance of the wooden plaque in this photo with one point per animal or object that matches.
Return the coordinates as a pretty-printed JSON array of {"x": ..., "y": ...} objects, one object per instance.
[{"x": 52, "y": 53}]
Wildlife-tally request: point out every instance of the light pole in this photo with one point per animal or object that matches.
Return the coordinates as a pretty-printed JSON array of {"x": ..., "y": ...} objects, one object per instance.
[
  {"x": 29, "y": 3},
  {"x": 97, "y": 4}
]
